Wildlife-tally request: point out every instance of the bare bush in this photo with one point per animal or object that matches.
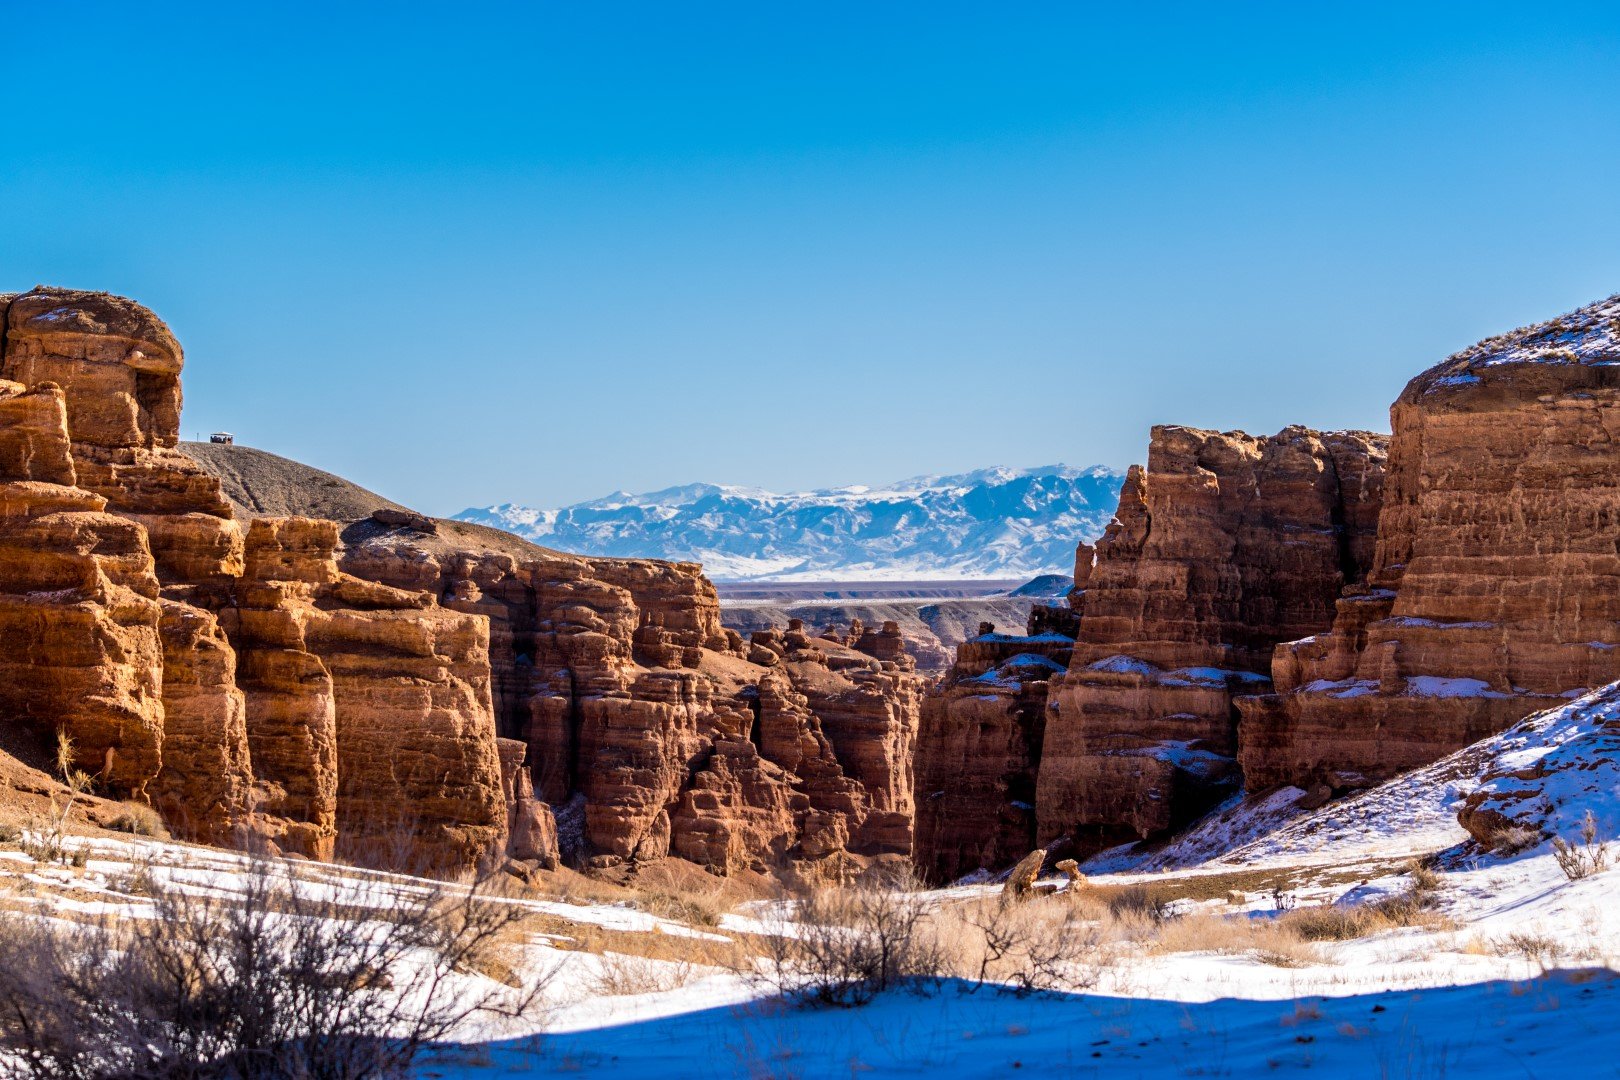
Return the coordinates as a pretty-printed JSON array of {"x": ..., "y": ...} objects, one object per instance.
[
  {"x": 1533, "y": 947},
  {"x": 46, "y": 838},
  {"x": 1047, "y": 943},
  {"x": 1138, "y": 902},
  {"x": 139, "y": 819},
  {"x": 286, "y": 976},
  {"x": 1268, "y": 940},
  {"x": 1514, "y": 839},
  {"x": 1590, "y": 856},
  {"x": 1413, "y": 906},
  {"x": 624, "y": 975},
  {"x": 843, "y": 946}
]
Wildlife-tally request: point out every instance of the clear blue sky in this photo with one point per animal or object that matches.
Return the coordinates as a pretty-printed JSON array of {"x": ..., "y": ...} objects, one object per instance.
[{"x": 476, "y": 253}]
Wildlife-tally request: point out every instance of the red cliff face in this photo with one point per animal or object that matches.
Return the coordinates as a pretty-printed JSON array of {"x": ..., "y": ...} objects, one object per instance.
[
  {"x": 1495, "y": 590},
  {"x": 251, "y": 691},
  {"x": 979, "y": 752},
  {"x": 677, "y": 737},
  {"x": 79, "y": 611},
  {"x": 1225, "y": 545},
  {"x": 341, "y": 690}
]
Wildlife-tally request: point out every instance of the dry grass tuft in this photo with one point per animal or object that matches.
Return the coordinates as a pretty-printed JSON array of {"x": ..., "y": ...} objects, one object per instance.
[{"x": 139, "y": 819}]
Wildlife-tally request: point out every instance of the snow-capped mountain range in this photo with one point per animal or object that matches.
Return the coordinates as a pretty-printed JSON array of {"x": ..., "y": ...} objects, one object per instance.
[{"x": 992, "y": 523}]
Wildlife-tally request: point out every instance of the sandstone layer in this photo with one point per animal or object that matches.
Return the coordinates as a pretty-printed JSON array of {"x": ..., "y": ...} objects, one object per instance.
[
  {"x": 1225, "y": 545},
  {"x": 249, "y": 689},
  {"x": 678, "y": 737},
  {"x": 1495, "y": 587},
  {"x": 979, "y": 752}
]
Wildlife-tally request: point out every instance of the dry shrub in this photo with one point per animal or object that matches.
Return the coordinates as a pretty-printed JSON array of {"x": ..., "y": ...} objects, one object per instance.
[
  {"x": 1046, "y": 943},
  {"x": 139, "y": 819},
  {"x": 286, "y": 977},
  {"x": 1269, "y": 941},
  {"x": 1137, "y": 902},
  {"x": 843, "y": 946},
  {"x": 688, "y": 908},
  {"x": 1590, "y": 856},
  {"x": 1535, "y": 948},
  {"x": 1412, "y": 907},
  {"x": 1513, "y": 839},
  {"x": 623, "y": 975}
]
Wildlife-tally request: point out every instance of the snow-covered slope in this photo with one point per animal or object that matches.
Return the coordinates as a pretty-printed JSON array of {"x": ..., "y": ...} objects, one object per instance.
[{"x": 993, "y": 523}]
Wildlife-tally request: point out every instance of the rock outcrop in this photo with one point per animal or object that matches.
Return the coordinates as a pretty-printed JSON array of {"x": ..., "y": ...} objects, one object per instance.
[
  {"x": 79, "y": 611},
  {"x": 251, "y": 691},
  {"x": 682, "y": 739},
  {"x": 1495, "y": 587},
  {"x": 1540, "y": 778},
  {"x": 341, "y": 688},
  {"x": 1225, "y": 545},
  {"x": 979, "y": 753}
]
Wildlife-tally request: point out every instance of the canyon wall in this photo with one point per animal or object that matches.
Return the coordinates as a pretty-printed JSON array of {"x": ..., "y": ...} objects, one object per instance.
[
  {"x": 242, "y": 684},
  {"x": 979, "y": 753},
  {"x": 1495, "y": 589},
  {"x": 1115, "y": 719},
  {"x": 673, "y": 735},
  {"x": 388, "y": 688},
  {"x": 1225, "y": 545}
]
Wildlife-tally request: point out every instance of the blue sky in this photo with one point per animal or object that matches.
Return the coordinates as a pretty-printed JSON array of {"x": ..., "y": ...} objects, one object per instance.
[{"x": 475, "y": 253}]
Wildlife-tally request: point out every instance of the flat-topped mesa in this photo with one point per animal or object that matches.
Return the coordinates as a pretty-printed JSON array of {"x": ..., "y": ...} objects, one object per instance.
[
  {"x": 1225, "y": 545},
  {"x": 1496, "y": 586},
  {"x": 979, "y": 752}
]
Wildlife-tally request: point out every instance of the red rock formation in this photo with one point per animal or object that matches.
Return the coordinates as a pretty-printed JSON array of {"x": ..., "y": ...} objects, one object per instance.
[
  {"x": 979, "y": 752},
  {"x": 530, "y": 824},
  {"x": 119, "y": 368},
  {"x": 353, "y": 708},
  {"x": 406, "y": 686},
  {"x": 682, "y": 740},
  {"x": 205, "y": 787},
  {"x": 1225, "y": 545},
  {"x": 1495, "y": 589},
  {"x": 258, "y": 690},
  {"x": 78, "y": 603}
]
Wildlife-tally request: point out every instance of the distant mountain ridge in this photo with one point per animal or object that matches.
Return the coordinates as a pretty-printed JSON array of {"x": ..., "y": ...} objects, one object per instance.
[{"x": 991, "y": 523}]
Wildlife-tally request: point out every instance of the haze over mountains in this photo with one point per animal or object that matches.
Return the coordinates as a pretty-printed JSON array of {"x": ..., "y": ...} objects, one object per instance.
[{"x": 992, "y": 523}]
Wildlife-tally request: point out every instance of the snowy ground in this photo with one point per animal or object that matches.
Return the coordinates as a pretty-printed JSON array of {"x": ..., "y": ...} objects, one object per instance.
[
  {"x": 1478, "y": 998},
  {"x": 1513, "y": 979}
]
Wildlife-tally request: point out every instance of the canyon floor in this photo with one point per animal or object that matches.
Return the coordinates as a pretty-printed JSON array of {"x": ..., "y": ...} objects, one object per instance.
[{"x": 1507, "y": 971}]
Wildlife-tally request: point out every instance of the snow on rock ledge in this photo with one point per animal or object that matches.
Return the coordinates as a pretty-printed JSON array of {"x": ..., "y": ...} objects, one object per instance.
[{"x": 1548, "y": 770}]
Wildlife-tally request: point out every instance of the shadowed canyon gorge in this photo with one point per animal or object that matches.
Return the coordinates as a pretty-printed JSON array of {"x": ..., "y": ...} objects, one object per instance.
[{"x": 274, "y": 658}]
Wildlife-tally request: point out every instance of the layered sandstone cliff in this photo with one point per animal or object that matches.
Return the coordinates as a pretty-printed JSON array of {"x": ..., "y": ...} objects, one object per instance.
[
  {"x": 342, "y": 688},
  {"x": 679, "y": 738},
  {"x": 979, "y": 751},
  {"x": 1495, "y": 588},
  {"x": 249, "y": 690},
  {"x": 1225, "y": 545}
]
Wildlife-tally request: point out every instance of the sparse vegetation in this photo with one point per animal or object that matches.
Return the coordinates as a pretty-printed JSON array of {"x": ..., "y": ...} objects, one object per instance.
[
  {"x": 284, "y": 977},
  {"x": 1412, "y": 907},
  {"x": 1590, "y": 856},
  {"x": 1046, "y": 943},
  {"x": 45, "y": 841},
  {"x": 621, "y": 975},
  {"x": 1270, "y": 941},
  {"x": 844, "y": 945},
  {"x": 140, "y": 820},
  {"x": 1514, "y": 840}
]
